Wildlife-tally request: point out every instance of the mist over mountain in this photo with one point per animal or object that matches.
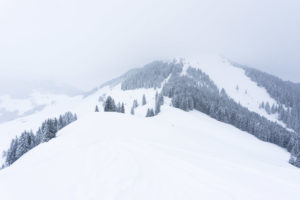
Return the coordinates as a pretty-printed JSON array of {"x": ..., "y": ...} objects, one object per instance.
[
  {"x": 23, "y": 89},
  {"x": 89, "y": 43}
]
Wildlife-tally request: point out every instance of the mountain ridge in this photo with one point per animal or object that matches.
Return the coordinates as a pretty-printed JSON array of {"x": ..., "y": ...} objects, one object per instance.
[{"x": 196, "y": 84}]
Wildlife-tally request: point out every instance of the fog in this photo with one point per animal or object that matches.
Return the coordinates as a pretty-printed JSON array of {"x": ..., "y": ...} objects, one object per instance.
[{"x": 86, "y": 42}]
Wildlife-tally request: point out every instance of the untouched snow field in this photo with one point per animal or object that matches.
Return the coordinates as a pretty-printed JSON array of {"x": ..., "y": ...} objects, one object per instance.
[{"x": 175, "y": 155}]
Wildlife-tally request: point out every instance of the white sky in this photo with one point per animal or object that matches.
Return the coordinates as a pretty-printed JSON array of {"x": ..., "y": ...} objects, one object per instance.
[{"x": 86, "y": 42}]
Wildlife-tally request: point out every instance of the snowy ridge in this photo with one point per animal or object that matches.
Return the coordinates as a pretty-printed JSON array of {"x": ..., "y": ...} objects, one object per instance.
[
  {"x": 240, "y": 88},
  {"x": 176, "y": 155}
]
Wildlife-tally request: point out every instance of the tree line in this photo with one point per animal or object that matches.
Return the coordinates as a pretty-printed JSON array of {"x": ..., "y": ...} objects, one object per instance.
[
  {"x": 187, "y": 94},
  {"x": 28, "y": 140},
  {"x": 286, "y": 93}
]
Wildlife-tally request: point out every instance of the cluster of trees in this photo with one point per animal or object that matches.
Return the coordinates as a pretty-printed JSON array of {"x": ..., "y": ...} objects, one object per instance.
[
  {"x": 286, "y": 93},
  {"x": 135, "y": 104},
  {"x": 197, "y": 91},
  {"x": 159, "y": 101},
  {"x": 110, "y": 106},
  {"x": 20, "y": 145},
  {"x": 150, "y": 112},
  {"x": 268, "y": 108},
  {"x": 151, "y": 75}
]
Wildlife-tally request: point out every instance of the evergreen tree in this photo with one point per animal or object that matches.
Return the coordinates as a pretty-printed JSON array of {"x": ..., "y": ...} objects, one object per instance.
[
  {"x": 132, "y": 110},
  {"x": 61, "y": 122},
  {"x": 122, "y": 108},
  {"x": 96, "y": 109},
  {"x": 118, "y": 108},
  {"x": 144, "y": 102},
  {"x": 157, "y": 108},
  {"x": 11, "y": 156},
  {"x": 48, "y": 130},
  {"x": 295, "y": 161},
  {"x": 25, "y": 143},
  {"x": 268, "y": 108},
  {"x": 135, "y": 104},
  {"x": 159, "y": 100},
  {"x": 150, "y": 112},
  {"x": 237, "y": 88},
  {"x": 109, "y": 105}
]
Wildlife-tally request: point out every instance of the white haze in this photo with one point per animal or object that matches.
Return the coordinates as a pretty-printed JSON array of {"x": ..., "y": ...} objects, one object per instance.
[{"x": 83, "y": 43}]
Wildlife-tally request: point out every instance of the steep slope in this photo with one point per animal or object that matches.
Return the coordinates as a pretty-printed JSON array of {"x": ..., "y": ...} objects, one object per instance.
[
  {"x": 176, "y": 155},
  {"x": 286, "y": 93},
  {"x": 236, "y": 84}
]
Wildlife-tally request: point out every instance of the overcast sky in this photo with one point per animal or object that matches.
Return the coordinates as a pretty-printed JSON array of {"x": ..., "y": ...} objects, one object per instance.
[{"x": 86, "y": 42}]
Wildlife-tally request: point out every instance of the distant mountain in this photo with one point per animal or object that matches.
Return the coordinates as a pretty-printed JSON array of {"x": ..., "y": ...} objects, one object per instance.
[
  {"x": 21, "y": 99},
  {"x": 23, "y": 89}
]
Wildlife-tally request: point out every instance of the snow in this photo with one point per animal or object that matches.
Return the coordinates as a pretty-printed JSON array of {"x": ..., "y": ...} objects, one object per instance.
[
  {"x": 54, "y": 106},
  {"x": 128, "y": 96},
  {"x": 175, "y": 155},
  {"x": 219, "y": 70},
  {"x": 59, "y": 104},
  {"x": 35, "y": 99},
  {"x": 11, "y": 105},
  {"x": 233, "y": 80}
]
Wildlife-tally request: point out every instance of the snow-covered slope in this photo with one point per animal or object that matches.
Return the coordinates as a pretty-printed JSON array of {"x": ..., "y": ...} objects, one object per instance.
[
  {"x": 51, "y": 105},
  {"x": 31, "y": 112},
  {"x": 234, "y": 81},
  {"x": 176, "y": 155}
]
